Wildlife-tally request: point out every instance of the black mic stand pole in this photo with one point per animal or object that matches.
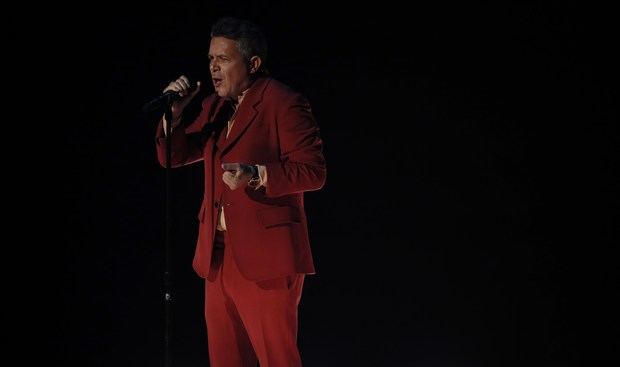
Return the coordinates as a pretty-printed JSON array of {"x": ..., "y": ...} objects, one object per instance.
[{"x": 168, "y": 224}]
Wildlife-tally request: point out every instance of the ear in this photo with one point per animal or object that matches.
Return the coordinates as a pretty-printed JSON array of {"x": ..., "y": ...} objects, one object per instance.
[{"x": 255, "y": 63}]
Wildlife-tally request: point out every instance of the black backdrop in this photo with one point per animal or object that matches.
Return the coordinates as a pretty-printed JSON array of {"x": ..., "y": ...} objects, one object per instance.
[{"x": 468, "y": 216}]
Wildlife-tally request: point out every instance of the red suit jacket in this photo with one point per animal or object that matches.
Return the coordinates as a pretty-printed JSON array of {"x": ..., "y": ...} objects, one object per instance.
[{"x": 266, "y": 228}]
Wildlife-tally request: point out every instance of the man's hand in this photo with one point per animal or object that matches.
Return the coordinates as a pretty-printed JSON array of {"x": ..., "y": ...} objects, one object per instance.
[
  {"x": 237, "y": 174},
  {"x": 184, "y": 88}
]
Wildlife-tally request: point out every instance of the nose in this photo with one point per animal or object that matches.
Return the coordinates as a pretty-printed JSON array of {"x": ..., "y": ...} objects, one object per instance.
[{"x": 213, "y": 65}]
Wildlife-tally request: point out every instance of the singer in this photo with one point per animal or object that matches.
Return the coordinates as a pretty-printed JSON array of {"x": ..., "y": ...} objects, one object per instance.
[{"x": 261, "y": 149}]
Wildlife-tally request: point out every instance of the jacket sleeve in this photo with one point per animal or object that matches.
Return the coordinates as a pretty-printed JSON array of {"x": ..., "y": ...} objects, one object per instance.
[
  {"x": 186, "y": 143},
  {"x": 302, "y": 165}
]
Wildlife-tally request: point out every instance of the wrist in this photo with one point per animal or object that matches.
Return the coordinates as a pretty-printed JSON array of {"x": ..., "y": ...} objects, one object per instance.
[{"x": 255, "y": 179}]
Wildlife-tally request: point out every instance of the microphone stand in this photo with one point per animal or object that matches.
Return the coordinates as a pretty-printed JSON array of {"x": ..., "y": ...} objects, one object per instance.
[
  {"x": 165, "y": 101},
  {"x": 168, "y": 226}
]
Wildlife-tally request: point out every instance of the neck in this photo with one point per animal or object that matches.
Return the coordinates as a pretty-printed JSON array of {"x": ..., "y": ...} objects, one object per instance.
[{"x": 235, "y": 101}]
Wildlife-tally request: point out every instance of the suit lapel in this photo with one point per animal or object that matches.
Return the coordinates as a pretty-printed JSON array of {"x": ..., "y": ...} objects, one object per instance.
[{"x": 247, "y": 112}]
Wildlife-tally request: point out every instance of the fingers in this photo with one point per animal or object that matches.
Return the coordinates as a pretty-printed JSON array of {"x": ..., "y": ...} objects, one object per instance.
[
  {"x": 183, "y": 86},
  {"x": 235, "y": 174},
  {"x": 228, "y": 177},
  {"x": 183, "y": 82},
  {"x": 232, "y": 179}
]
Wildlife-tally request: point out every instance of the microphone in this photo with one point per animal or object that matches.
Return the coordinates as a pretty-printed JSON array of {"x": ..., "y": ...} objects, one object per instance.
[{"x": 163, "y": 100}]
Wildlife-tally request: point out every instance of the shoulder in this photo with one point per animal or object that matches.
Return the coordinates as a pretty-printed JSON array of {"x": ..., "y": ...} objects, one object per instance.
[
  {"x": 276, "y": 86},
  {"x": 276, "y": 90}
]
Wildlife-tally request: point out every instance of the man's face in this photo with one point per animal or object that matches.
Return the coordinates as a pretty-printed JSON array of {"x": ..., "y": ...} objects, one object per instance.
[{"x": 229, "y": 70}]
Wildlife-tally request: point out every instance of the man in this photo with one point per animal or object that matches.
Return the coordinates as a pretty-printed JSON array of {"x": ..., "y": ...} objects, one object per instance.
[{"x": 261, "y": 149}]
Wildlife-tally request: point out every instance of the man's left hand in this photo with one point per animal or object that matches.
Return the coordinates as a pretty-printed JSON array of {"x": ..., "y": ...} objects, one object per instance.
[{"x": 237, "y": 174}]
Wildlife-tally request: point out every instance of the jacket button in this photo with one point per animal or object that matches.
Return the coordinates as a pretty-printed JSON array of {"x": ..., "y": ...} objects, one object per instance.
[{"x": 217, "y": 205}]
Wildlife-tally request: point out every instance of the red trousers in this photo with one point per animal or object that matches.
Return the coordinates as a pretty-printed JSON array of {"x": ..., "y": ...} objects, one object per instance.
[{"x": 250, "y": 321}]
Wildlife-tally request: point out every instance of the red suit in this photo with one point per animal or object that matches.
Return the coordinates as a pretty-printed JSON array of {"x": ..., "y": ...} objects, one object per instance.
[{"x": 265, "y": 251}]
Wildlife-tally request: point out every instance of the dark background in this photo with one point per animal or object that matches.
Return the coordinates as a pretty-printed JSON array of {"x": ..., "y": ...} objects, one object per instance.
[{"x": 470, "y": 212}]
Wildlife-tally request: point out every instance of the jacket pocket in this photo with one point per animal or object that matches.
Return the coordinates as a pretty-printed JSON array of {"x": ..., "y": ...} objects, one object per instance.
[{"x": 278, "y": 216}]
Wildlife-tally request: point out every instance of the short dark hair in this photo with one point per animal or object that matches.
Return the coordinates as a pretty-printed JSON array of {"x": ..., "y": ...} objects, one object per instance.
[{"x": 250, "y": 39}]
